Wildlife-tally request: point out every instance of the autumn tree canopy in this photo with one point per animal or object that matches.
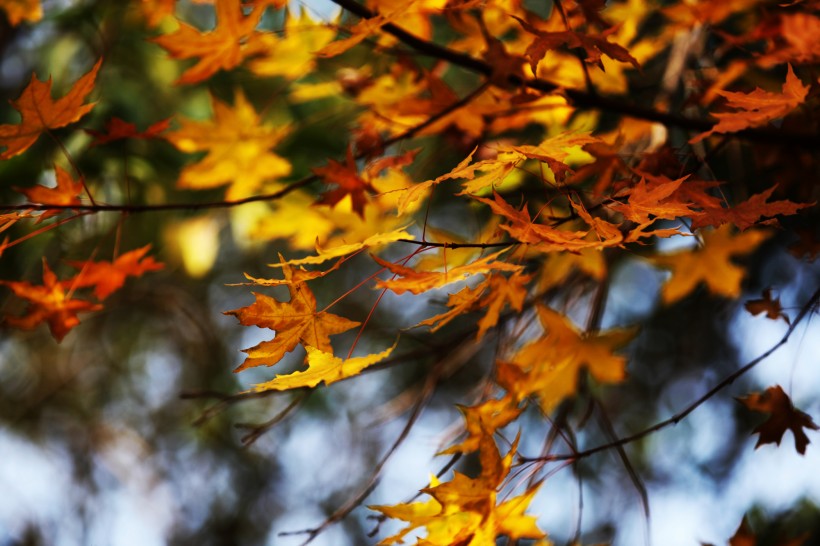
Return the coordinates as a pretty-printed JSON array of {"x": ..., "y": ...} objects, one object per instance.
[{"x": 540, "y": 222}]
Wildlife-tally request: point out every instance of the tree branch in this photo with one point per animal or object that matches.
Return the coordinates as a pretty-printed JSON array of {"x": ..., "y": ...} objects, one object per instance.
[
  {"x": 583, "y": 100},
  {"x": 307, "y": 180}
]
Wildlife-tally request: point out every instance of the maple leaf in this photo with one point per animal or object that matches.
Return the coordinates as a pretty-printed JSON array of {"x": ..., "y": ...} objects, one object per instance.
[
  {"x": 711, "y": 264},
  {"x": 346, "y": 176},
  {"x": 493, "y": 294},
  {"x": 325, "y": 254},
  {"x": 783, "y": 416},
  {"x": 554, "y": 151},
  {"x": 293, "y": 54},
  {"x": 294, "y": 322},
  {"x": 801, "y": 33},
  {"x": 238, "y": 147},
  {"x": 417, "y": 282},
  {"x": 108, "y": 277},
  {"x": 222, "y": 48},
  {"x": 549, "y": 366},
  {"x": 64, "y": 193},
  {"x": 40, "y": 112},
  {"x": 117, "y": 129},
  {"x": 747, "y": 213},
  {"x": 767, "y": 305},
  {"x": 48, "y": 303},
  {"x": 594, "y": 46},
  {"x": 18, "y": 11},
  {"x": 558, "y": 266},
  {"x": 465, "y": 510},
  {"x": 361, "y": 30},
  {"x": 603, "y": 234},
  {"x": 323, "y": 367},
  {"x": 525, "y": 230},
  {"x": 656, "y": 199},
  {"x": 758, "y": 107},
  {"x": 483, "y": 419}
]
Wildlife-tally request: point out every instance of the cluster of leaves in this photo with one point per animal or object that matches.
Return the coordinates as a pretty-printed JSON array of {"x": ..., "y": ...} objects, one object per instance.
[{"x": 563, "y": 173}]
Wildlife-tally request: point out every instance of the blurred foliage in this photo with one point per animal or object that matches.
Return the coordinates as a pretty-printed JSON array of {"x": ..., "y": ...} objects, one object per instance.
[{"x": 138, "y": 402}]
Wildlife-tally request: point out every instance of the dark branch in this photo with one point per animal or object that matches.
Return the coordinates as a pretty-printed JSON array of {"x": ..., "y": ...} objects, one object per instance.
[{"x": 581, "y": 99}]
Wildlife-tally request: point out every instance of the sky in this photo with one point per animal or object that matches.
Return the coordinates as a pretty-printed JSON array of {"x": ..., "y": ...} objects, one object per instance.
[{"x": 139, "y": 507}]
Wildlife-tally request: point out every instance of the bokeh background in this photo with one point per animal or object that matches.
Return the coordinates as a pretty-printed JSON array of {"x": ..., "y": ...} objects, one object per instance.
[{"x": 128, "y": 433}]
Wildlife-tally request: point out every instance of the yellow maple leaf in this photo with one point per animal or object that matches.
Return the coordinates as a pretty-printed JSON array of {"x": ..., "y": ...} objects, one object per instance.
[
  {"x": 40, "y": 112},
  {"x": 711, "y": 264},
  {"x": 238, "y": 146},
  {"x": 417, "y": 282},
  {"x": 293, "y": 219},
  {"x": 293, "y": 54},
  {"x": 548, "y": 367},
  {"x": 18, "y": 11},
  {"x": 325, "y": 254},
  {"x": 558, "y": 266},
  {"x": 323, "y": 367},
  {"x": 222, "y": 48},
  {"x": 296, "y": 321},
  {"x": 466, "y": 510}
]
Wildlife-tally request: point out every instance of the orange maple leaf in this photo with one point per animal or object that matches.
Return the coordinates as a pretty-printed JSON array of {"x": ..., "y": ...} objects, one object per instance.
[
  {"x": 18, "y": 11},
  {"x": 784, "y": 416},
  {"x": 748, "y": 213},
  {"x": 108, "y": 277},
  {"x": 655, "y": 198},
  {"x": 362, "y": 30},
  {"x": 548, "y": 367},
  {"x": 295, "y": 322},
  {"x": 48, "y": 303},
  {"x": 710, "y": 264},
  {"x": 758, "y": 107},
  {"x": 417, "y": 282},
  {"x": 117, "y": 129},
  {"x": 492, "y": 295},
  {"x": 222, "y": 48},
  {"x": 346, "y": 177},
  {"x": 594, "y": 46},
  {"x": 525, "y": 230},
  {"x": 64, "y": 193},
  {"x": 40, "y": 112},
  {"x": 483, "y": 419}
]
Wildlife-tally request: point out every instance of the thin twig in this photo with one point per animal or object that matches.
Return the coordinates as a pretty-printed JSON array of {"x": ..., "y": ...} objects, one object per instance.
[
  {"x": 675, "y": 419},
  {"x": 355, "y": 501},
  {"x": 580, "y": 99},
  {"x": 307, "y": 180},
  {"x": 257, "y": 430}
]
